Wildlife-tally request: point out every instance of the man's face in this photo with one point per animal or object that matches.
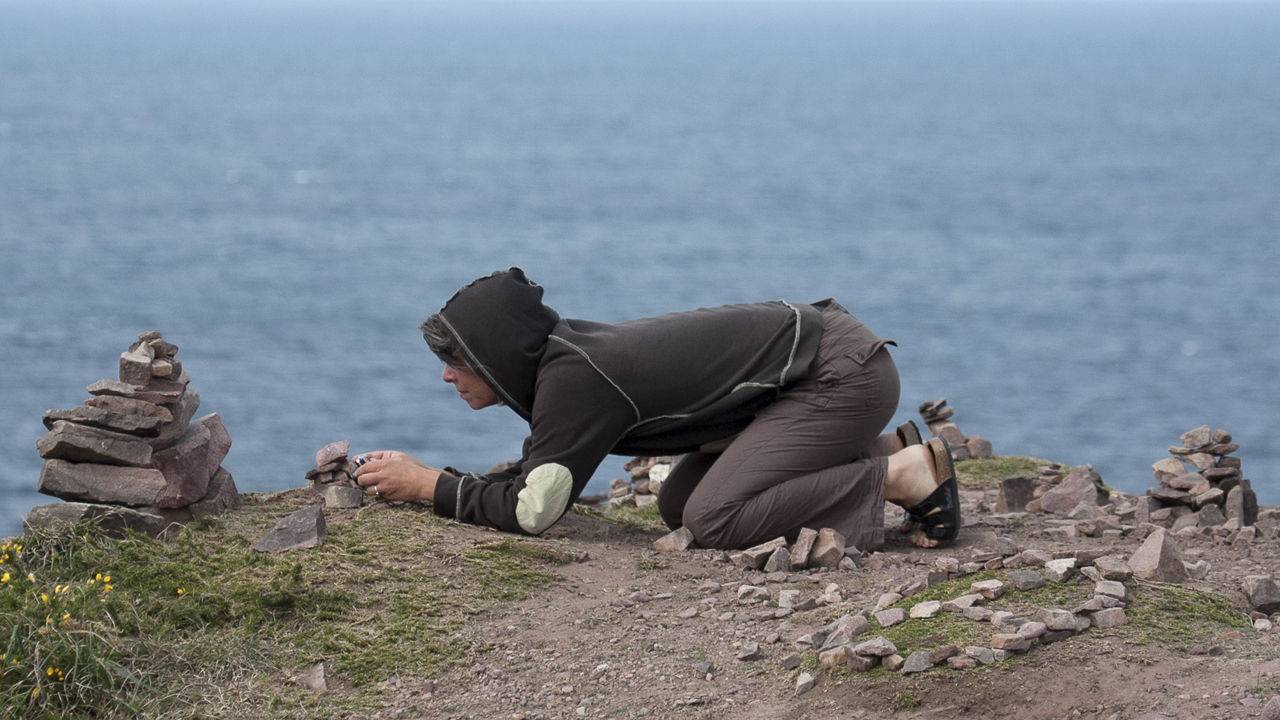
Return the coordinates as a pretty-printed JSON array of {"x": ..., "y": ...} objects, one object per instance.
[{"x": 474, "y": 391}]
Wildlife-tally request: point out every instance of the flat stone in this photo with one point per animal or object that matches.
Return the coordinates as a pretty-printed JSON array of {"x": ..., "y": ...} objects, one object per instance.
[
  {"x": 1169, "y": 496},
  {"x": 1010, "y": 642},
  {"x": 1015, "y": 492},
  {"x": 135, "y": 367},
  {"x": 983, "y": 655},
  {"x": 78, "y": 443},
  {"x": 1024, "y": 580},
  {"x": 958, "y": 605},
  {"x": 127, "y": 390},
  {"x": 754, "y": 558},
  {"x": 186, "y": 469},
  {"x": 892, "y": 663},
  {"x": 1262, "y": 593},
  {"x": 1060, "y": 570},
  {"x": 94, "y": 483},
  {"x": 989, "y": 589},
  {"x": 1242, "y": 504},
  {"x": 828, "y": 548},
  {"x": 788, "y": 597},
  {"x": 885, "y": 600},
  {"x": 804, "y": 683},
  {"x": 1220, "y": 449},
  {"x": 779, "y": 561},
  {"x": 111, "y": 520},
  {"x": 1033, "y": 630},
  {"x": 877, "y": 646},
  {"x": 1113, "y": 568},
  {"x": 1111, "y": 588},
  {"x": 89, "y": 416},
  {"x": 183, "y": 410},
  {"x": 926, "y": 609},
  {"x": 1195, "y": 438},
  {"x": 790, "y": 661},
  {"x": 1056, "y": 619},
  {"x": 1035, "y": 557},
  {"x": 1186, "y": 482},
  {"x": 311, "y": 678},
  {"x": 343, "y": 496},
  {"x": 1167, "y": 469},
  {"x": 752, "y": 593},
  {"x": 1080, "y": 485},
  {"x": 979, "y": 614},
  {"x": 837, "y": 656},
  {"x": 1198, "y": 570},
  {"x": 129, "y": 406},
  {"x": 333, "y": 452},
  {"x": 1200, "y": 460},
  {"x": 802, "y": 547},
  {"x": 1209, "y": 497},
  {"x": 1210, "y": 515},
  {"x": 676, "y": 541},
  {"x": 979, "y": 447},
  {"x": 1109, "y": 618},
  {"x": 890, "y": 617},
  {"x": 750, "y": 652},
  {"x": 1098, "y": 602},
  {"x": 862, "y": 663},
  {"x": 940, "y": 654},
  {"x": 917, "y": 661},
  {"x": 222, "y": 496},
  {"x": 298, "y": 531},
  {"x": 1158, "y": 559}
]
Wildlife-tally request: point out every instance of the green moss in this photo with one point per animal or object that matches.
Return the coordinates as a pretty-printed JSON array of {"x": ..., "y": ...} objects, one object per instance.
[
  {"x": 1171, "y": 615},
  {"x": 643, "y": 518},
  {"x": 987, "y": 473}
]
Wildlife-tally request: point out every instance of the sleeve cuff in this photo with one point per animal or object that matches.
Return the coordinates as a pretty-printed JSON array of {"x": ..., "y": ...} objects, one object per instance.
[{"x": 445, "y": 500}]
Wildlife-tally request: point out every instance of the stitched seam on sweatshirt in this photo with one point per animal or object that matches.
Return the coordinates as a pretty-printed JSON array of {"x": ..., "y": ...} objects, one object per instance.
[
  {"x": 608, "y": 379},
  {"x": 653, "y": 419},
  {"x": 795, "y": 344},
  {"x": 488, "y": 378}
]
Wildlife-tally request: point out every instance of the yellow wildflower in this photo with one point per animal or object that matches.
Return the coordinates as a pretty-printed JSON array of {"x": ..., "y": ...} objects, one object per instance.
[
  {"x": 31, "y": 577},
  {"x": 89, "y": 581},
  {"x": 106, "y": 588},
  {"x": 181, "y": 591},
  {"x": 35, "y": 691},
  {"x": 98, "y": 576},
  {"x": 106, "y": 579},
  {"x": 48, "y": 671},
  {"x": 4, "y": 577},
  {"x": 44, "y": 598}
]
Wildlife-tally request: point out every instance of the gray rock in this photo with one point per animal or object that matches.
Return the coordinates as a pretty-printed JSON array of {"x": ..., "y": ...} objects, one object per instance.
[
  {"x": 940, "y": 654},
  {"x": 1158, "y": 559},
  {"x": 311, "y": 678},
  {"x": 983, "y": 655},
  {"x": 837, "y": 656},
  {"x": 1198, "y": 570},
  {"x": 1056, "y": 619},
  {"x": 790, "y": 661},
  {"x": 804, "y": 683},
  {"x": 779, "y": 561},
  {"x": 1262, "y": 593},
  {"x": 876, "y": 646},
  {"x": 885, "y": 600},
  {"x": 1010, "y": 642},
  {"x": 979, "y": 614},
  {"x": 892, "y": 663},
  {"x": 961, "y": 662},
  {"x": 1186, "y": 482},
  {"x": 298, "y": 531},
  {"x": 1015, "y": 492},
  {"x": 78, "y": 443},
  {"x": 1033, "y": 630},
  {"x": 333, "y": 452},
  {"x": 754, "y": 558},
  {"x": 111, "y": 520},
  {"x": 1200, "y": 460},
  {"x": 182, "y": 410},
  {"x": 1110, "y": 588},
  {"x": 89, "y": 416},
  {"x": 1098, "y": 602},
  {"x": 126, "y": 390},
  {"x": 343, "y": 496},
  {"x": 1168, "y": 469},
  {"x": 1109, "y": 618},
  {"x": 1271, "y": 711},
  {"x": 1080, "y": 485},
  {"x": 1024, "y": 580},
  {"x": 802, "y": 547},
  {"x": 221, "y": 496},
  {"x": 1035, "y": 557},
  {"x": 750, "y": 652},
  {"x": 677, "y": 541},
  {"x": 186, "y": 469},
  {"x": 1113, "y": 568},
  {"x": 219, "y": 440},
  {"x": 1198, "y": 437},
  {"x": 1242, "y": 503},
  {"x": 917, "y": 661},
  {"x": 989, "y": 589},
  {"x": 890, "y": 617},
  {"x": 94, "y": 483},
  {"x": 135, "y": 367},
  {"x": 1210, "y": 515},
  {"x": 1214, "y": 496},
  {"x": 979, "y": 447},
  {"x": 962, "y": 603},
  {"x": 129, "y": 406},
  {"x": 848, "y": 564},
  {"x": 828, "y": 549},
  {"x": 752, "y": 593},
  {"x": 1060, "y": 570},
  {"x": 927, "y": 609}
]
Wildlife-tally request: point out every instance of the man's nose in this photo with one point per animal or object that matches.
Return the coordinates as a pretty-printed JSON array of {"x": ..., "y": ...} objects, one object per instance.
[{"x": 449, "y": 375}]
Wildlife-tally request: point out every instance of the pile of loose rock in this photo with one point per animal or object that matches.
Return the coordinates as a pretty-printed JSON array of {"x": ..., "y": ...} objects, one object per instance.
[
  {"x": 1200, "y": 486},
  {"x": 641, "y": 489},
  {"x": 131, "y": 456},
  {"x": 333, "y": 472},
  {"x": 938, "y": 417},
  {"x": 823, "y": 548}
]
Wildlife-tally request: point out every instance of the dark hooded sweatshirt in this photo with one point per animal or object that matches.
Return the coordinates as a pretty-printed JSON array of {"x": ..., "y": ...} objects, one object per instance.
[{"x": 661, "y": 385}]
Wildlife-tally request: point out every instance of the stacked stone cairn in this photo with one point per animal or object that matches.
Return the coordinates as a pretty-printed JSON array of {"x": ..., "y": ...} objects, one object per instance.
[
  {"x": 646, "y": 475},
  {"x": 938, "y": 417},
  {"x": 1200, "y": 487},
  {"x": 332, "y": 473},
  {"x": 132, "y": 456}
]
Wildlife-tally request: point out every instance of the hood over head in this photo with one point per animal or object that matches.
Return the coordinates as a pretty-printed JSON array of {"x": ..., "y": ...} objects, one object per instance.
[{"x": 502, "y": 326}]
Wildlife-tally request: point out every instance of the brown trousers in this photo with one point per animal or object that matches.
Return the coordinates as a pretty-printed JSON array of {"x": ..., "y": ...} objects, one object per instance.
[{"x": 803, "y": 461}]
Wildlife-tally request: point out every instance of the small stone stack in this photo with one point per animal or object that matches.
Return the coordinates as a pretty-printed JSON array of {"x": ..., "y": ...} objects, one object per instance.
[
  {"x": 646, "y": 477},
  {"x": 1201, "y": 485},
  {"x": 131, "y": 456},
  {"x": 333, "y": 473},
  {"x": 937, "y": 416}
]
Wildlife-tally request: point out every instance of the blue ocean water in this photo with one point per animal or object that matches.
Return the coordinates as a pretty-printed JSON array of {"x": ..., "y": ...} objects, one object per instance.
[{"x": 1065, "y": 213}]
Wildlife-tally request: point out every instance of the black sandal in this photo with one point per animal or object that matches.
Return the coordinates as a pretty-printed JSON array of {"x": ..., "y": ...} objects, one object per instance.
[
  {"x": 909, "y": 434},
  {"x": 938, "y": 516}
]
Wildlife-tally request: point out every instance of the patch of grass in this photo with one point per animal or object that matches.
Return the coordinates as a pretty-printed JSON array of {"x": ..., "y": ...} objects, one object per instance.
[
  {"x": 649, "y": 560},
  {"x": 204, "y": 626},
  {"x": 1170, "y": 614},
  {"x": 643, "y": 518},
  {"x": 987, "y": 474},
  {"x": 904, "y": 701}
]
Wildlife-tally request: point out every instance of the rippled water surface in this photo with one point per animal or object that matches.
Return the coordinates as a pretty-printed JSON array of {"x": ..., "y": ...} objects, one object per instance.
[{"x": 1065, "y": 214}]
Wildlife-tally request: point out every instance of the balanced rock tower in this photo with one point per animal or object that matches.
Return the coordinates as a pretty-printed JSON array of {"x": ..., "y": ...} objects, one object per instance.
[{"x": 132, "y": 456}]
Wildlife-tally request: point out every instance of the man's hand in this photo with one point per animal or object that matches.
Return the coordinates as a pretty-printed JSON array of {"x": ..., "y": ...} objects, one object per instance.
[{"x": 401, "y": 480}]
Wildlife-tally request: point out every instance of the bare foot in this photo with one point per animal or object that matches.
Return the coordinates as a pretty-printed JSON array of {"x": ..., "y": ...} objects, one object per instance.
[{"x": 911, "y": 479}]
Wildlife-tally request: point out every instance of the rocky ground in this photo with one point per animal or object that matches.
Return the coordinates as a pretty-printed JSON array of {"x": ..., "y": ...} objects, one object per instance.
[{"x": 632, "y": 633}]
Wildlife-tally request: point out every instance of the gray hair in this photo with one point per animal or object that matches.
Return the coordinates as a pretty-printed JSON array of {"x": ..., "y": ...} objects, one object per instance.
[{"x": 442, "y": 342}]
